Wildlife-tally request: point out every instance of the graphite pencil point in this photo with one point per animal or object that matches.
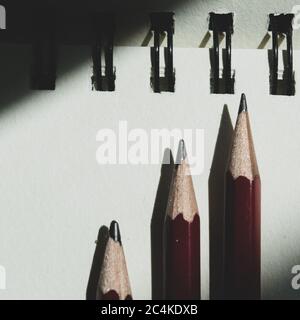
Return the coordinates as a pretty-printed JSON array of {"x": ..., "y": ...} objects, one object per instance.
[
  {"x": 114, "y": 231},
  {"x": 113, "y": 283},
  {"x": 181, "y": 154},
  {"x": 243, "y": 104}
]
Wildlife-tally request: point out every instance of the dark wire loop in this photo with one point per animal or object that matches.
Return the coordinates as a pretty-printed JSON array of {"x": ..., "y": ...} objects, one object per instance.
[
  {"x": 104, "y": 28},
  {"x": 221, "y": 23},
  {"x": 161, "y": 23},
  {"x": 282, "y": 24}
]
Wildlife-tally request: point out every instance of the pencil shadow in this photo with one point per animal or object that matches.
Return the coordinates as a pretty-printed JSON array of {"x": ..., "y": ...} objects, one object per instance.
[
  {"x": 216, "y": 189},
  {"x": 157, "y": 223},
  {"x": 97, "y": 263}
]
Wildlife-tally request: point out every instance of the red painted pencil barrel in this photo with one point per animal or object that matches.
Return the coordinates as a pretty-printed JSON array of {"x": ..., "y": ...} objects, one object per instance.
[
  {"x": 242, "y": 238},
  {"x": 113, "y": 295},
  {"x": 182, "y": 258}
]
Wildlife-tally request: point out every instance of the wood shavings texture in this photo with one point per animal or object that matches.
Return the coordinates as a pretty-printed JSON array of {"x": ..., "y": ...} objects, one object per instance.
[
  {"x": 243, "y": 160},
  {"x": 114, "y": 275},
  {"x": 182, "y": 199}
]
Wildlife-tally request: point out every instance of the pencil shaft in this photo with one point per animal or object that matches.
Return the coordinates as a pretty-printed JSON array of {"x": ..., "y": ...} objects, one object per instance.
[
  {"x": 182, "y": 258},
  {"x": 113, "y": 295},
  {"x": 182, "y": 235},
  {"x": 242, "y": 238},
  {"x": 113, "y": 281}
]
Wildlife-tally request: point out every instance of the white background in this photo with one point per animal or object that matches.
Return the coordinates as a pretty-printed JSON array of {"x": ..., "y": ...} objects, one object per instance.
[{"x": 54, "y": 196}]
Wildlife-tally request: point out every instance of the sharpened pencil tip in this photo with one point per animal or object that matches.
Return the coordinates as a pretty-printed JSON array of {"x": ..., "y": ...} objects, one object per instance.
[
  {"x": 181, "y": 154},
  {"x": 243, "y": 104},
  {"x": 114, "y": 231}
]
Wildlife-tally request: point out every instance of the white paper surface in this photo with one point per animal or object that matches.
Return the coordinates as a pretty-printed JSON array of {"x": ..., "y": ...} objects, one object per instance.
[{"x": 54, "y": 196}]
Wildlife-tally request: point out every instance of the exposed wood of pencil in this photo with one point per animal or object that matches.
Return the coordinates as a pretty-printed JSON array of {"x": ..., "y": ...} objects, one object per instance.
[
  {"x": 182, "y": 236},
  {"x": 242, "y": 216},
  {"x": 114, "y": 281}
]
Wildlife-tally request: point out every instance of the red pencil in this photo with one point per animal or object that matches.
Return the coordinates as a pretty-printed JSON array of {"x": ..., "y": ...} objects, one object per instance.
[
  {"x": 242, "y": 215},
  {"x": 114, "y": 281},
  {"x": 182, "y": 236}
]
